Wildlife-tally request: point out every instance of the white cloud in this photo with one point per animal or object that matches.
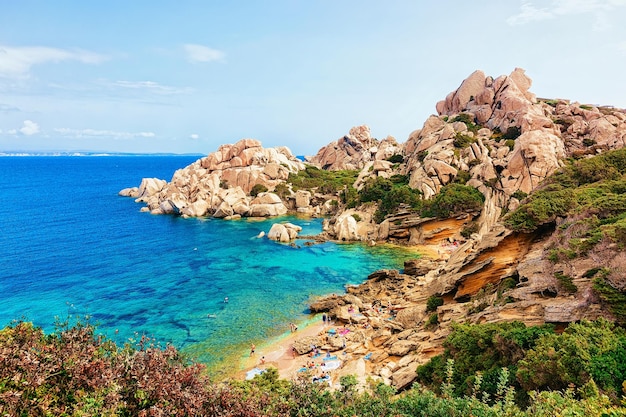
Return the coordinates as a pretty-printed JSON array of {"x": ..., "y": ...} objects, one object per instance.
[
  {"x": 529, "y": 13},
  {"x": 600, "y": 9},
  {"x": 12, "y": 132},
  {"x": 91, "y": 133},
  {"x": 201, "y": 53},
  {"x": 194, "y": 136},
  {"x": 16, "y": 62},
  {"x": 150, "y": 86},
  {"x": 29, "y": 128}
]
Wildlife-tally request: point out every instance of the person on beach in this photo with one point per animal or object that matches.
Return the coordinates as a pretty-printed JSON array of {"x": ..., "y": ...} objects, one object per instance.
[
  {"x": 262, "y": 360},
  {"x": 252, "y": 349},
  {"x": 324, "y": 318}
]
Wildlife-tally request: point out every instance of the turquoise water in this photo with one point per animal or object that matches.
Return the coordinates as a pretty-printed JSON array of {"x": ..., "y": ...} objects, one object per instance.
[{"x": 70, "y": 246}]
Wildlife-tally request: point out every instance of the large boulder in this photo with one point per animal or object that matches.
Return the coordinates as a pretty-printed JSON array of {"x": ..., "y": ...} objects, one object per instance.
[{"x": 283, "y": 232}]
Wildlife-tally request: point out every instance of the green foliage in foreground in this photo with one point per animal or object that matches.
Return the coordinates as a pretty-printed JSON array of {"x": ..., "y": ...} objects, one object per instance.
[
  {"x": 586, "y": 356},
  {"x": 74, "y": 372}
]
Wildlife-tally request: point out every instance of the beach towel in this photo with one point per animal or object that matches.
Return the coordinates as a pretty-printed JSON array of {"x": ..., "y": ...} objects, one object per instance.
[
  {"x": 254, "y": 372},
  {"x": 330, "y": 365}
]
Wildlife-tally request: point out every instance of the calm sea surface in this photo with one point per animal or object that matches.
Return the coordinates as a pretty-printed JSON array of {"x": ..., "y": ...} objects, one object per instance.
[{"x": 70, "y": 246}]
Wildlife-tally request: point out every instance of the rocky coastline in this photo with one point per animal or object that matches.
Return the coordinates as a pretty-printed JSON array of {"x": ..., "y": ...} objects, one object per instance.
[{"x": 490, "y": 134}]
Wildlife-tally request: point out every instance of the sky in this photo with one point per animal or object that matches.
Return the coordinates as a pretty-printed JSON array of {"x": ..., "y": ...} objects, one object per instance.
[{"x": 186, "y": 76}]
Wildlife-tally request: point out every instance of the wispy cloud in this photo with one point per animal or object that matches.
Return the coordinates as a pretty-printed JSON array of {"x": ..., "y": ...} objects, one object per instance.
[
  {"x": 529, "y": 13},
  {"x": 149, "y": 86},
  {"x": 7, "y": 108},
  {"x": 194, "y": 136},
  {"x": 201, "y": 53},
  {"x": 16, "y": 62},
  {"x": 92, "y": 133},
  {"x": 29, "y": 128},
  {"x": 600, "y": 9}
]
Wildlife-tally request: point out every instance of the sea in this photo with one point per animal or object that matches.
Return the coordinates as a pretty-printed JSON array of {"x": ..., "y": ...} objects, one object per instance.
[{"x": 72, "y": 249}]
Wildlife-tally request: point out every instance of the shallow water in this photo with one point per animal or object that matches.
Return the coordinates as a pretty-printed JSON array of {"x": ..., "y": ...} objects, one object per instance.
[{"x": 70, "y": 246}]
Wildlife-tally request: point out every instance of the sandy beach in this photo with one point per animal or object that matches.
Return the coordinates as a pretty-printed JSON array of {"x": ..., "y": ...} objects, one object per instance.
[{"x": 278, "y": 353}]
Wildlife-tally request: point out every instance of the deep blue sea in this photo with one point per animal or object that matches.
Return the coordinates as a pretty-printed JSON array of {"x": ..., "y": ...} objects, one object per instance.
[{"x": 71, "y": 247}]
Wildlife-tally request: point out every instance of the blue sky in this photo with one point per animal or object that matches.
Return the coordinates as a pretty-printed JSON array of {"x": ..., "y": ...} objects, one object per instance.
[{"x": 186, "y": 76}]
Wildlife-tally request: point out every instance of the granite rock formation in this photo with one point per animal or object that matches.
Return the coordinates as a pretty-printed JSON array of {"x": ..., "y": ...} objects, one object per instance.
[
  {"x": 354, "y": 150},
  {"x": 219, "y": 184}
]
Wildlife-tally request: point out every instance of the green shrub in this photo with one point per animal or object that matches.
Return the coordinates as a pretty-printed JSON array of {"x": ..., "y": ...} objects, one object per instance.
[
  {"x": 512, "y": 133},
  {"x": 433, "y": 302},
  {"x": 566, "y": 282},
  {"x": 615, "y": 299},
  {"x": 462, "y": 177},
  {"x": 258, "y": 189},
  {"x": 453, "y": 199},
  {"x": 485, "y": 348},
  {"x": 396, "y": 159},
  {"x": 462, "y": 140},
  {"x": 432, "y": 321},
  {"x": 326, "y": 181},
  {"x": 594, "y": 186},
  {"x": 469, "y": 229},
  {"x": 584, "y": 351}
]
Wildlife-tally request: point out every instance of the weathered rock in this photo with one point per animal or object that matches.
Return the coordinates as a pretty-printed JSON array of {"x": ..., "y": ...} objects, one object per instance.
[
  {"x": 402, "y": 347},
  {"x": 354, "y": 150},
  {"x": 203, "y": 188},
  {"x": 283, "y": 232},
  {"x": 404, "y": 377},
  {"x": 306, "y": 344},
  {"x": 418, "y": 267}
]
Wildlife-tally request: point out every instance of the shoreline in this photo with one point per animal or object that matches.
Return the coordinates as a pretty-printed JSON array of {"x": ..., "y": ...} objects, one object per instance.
[
  {"x": 278, "y": 351},
  {"x": 353, "y": 360}
]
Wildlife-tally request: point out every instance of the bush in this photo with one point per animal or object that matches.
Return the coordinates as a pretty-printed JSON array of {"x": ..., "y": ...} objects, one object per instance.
[
  {"x": 462, "y": 141},
  {"x": 396, "y": 159},
  {"x": 590, "y": 194},
  {"x": 453, "y": 199},
  {"x": 433, "y": 302},
  {"x": 584, "y": 351},
  {"x": 485, "y": 348},
  {"x": 258, "y": 189}
]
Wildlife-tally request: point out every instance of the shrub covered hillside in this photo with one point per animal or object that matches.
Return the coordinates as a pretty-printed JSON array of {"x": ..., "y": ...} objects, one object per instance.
[
  {"x": 585, "y": 204},
  {"x": 74, "y": 372}
]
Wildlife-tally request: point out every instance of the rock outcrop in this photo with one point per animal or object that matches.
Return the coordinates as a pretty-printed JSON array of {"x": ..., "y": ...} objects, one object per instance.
[
  {"x": 219, "y": 184},
  {"x": 496, "y": 136},
  {"x": 283, "y": 232},
  {"x": 354, "y": 150}
]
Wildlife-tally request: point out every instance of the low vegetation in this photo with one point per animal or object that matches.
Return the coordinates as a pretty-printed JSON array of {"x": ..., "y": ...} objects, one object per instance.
[
  {"x": 586, "y": 357},
  {"x": 74, "y": 372},
  {"x": 593, "y": 188},
  {"x": 324, "y": 181}
]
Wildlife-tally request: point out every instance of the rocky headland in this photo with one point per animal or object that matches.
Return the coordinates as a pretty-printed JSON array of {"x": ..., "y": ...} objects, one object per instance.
[{"x": 492, "y": 137}]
